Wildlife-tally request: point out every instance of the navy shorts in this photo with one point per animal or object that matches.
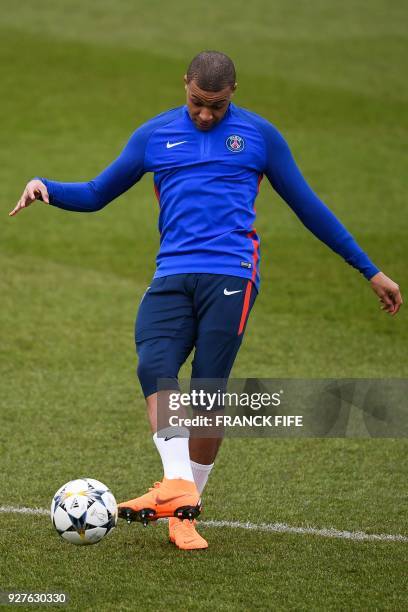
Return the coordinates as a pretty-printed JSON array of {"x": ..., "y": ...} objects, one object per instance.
[{"x": 183, "y": 311}]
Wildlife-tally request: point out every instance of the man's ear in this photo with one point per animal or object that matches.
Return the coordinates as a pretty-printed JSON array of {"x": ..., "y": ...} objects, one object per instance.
[
  {"x": 234, "y": 88},
  {"x": 185, "y": 82}
]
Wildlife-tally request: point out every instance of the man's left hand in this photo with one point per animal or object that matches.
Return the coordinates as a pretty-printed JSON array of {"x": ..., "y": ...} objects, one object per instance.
[{"x": 388, "y": 293}]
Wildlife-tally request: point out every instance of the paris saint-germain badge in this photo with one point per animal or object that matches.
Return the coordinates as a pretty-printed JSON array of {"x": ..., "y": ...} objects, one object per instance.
[{"x": 235, "y": 143}]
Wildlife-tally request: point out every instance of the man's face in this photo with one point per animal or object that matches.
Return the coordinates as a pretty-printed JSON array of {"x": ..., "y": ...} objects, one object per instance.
[{"x": 207, "y": 108}]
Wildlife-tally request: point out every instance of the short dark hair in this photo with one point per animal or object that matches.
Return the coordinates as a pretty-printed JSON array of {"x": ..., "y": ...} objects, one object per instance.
[{"x": 212, "y": 70}]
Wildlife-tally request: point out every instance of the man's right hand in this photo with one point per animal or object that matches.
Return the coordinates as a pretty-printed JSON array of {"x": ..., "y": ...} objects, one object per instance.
[{"x": 33, "y": 191}]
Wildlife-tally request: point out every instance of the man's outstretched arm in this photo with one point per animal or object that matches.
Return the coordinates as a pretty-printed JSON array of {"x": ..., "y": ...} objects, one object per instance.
[
  {"x": 93, "y": 195},
  {"x": 287, "y": 180}
]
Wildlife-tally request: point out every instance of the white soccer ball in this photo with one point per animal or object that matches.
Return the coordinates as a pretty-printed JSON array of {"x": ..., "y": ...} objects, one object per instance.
[{"x": 83, "y": 511}]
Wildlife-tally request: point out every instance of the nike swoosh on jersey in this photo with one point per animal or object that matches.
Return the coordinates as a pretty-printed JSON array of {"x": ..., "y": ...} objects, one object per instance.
[
  {"x": 226, "y": 292},
  {"x": 170, "y": 145}
]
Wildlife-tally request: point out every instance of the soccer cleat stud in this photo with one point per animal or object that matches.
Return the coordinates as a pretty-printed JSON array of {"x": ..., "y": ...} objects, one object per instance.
[{"x": 187, "y": 512}]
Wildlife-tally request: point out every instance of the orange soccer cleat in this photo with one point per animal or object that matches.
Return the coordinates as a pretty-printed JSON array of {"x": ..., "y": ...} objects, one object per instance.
[
  {"x": 173, "y": 497},
  {"x": 183, "y": 534}
]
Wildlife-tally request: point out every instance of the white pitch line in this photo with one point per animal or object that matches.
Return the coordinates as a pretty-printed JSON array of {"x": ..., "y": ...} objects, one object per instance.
[
  {"x": 22, "y": 510},
  {"x": 324, "y": 533},
  {"x": 358, "y": 536}
]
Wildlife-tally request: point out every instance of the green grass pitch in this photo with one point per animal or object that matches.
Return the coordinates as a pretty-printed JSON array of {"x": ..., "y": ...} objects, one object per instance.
[{"x": 77, "y": 78}]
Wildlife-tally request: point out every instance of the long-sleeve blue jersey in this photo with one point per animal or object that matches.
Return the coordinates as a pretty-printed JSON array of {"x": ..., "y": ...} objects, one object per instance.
[{"x": 206, "y": 183}]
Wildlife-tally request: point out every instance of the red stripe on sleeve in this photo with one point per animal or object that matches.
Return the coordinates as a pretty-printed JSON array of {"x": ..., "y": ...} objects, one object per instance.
[
  {"x": 156, "y": 191},
  {"x": 260, "y": 177}
]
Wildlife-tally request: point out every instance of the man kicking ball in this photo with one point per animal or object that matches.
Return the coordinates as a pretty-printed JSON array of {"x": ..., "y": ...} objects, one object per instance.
[{"x": 208, "y": 158}]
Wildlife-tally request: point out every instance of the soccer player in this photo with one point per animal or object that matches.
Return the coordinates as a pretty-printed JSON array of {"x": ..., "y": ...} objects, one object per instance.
[{"x": 208, "y": 158}]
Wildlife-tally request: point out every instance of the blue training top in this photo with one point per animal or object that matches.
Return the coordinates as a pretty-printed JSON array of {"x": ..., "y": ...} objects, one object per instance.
[{"x": 206, "y": 183}]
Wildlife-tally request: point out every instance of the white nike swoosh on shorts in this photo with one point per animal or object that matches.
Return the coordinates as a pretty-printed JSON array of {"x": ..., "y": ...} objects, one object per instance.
[{"x": 226, "y": 292}]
